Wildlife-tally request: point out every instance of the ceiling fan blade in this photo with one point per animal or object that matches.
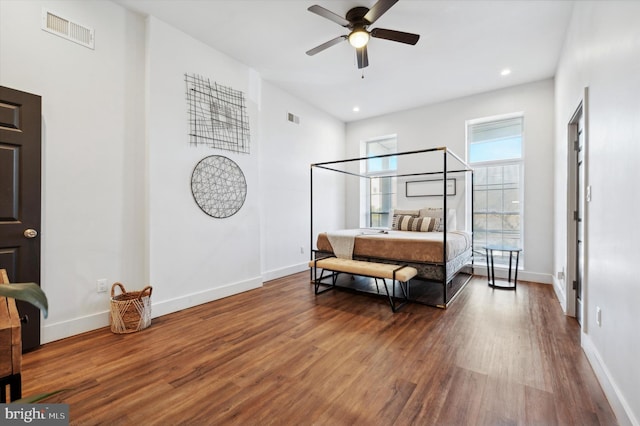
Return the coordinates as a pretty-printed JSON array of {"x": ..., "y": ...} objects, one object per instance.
[
  {"x": 363, "y": 58},
  {"x": 325, "y": 13},
  {"x": 393, "y": 35},
  {"x": 326, "y": 45},
  {"x": 378, "y": 9}
]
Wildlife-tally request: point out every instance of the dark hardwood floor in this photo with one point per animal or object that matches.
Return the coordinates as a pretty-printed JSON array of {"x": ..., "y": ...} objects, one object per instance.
[{"x": 281, "y": 355}]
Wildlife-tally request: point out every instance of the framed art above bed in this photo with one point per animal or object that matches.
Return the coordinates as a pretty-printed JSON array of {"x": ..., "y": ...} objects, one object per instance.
[{"x": 429, "y": 188}]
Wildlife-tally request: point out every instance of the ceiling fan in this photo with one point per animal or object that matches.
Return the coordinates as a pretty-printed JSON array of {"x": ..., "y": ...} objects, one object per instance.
[{"x": 357, "y": 20}]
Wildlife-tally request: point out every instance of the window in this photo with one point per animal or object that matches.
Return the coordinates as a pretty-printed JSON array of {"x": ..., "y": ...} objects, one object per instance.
[
  {"x": 381, "y": 193},
  {"x": 495, "y": 153}
]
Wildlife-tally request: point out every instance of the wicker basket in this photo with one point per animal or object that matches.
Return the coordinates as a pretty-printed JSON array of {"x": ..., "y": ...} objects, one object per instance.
[{"x": 130, "y": 311}]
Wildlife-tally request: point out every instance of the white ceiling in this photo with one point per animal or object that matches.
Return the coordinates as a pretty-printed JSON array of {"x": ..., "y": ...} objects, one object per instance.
[{"x": 462, "y": 49}]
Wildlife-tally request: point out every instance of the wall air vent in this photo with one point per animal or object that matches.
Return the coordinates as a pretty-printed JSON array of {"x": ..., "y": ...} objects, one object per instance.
[
  {"x": 65, "y": 28},
  {"x": 293, "y": 118}
]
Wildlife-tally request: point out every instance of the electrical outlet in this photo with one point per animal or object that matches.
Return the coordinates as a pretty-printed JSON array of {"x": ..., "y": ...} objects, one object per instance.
[
  {"x": 598, "y": 316},
  {"x": 102, "y": 286},
  {"x": 301, "y": 250}
]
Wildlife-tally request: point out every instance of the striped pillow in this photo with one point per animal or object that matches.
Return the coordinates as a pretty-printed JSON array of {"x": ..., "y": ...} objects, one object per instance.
[
  {"x": 417, "y": 224},
  {"x": 397, "y": 217}
]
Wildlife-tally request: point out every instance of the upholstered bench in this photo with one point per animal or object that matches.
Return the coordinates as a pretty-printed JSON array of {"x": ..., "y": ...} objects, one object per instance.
[{"x": 400, "y": 273}]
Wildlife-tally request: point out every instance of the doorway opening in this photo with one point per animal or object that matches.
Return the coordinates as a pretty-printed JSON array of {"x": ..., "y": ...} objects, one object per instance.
[{"x": 578, "y": 194}]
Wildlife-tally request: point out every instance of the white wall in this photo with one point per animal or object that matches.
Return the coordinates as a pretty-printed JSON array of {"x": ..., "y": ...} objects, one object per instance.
[
  {"x": 93, "y": 152},
  {"x": 443, "y": 124},
  {"x": 194, "y": 258},
  {"x": 602, "y": 52},
  {"x": 287, "y": 150}
]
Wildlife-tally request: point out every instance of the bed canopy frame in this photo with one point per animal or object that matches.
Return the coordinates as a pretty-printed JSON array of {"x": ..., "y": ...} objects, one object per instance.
[{"x": 442, "y": 172}]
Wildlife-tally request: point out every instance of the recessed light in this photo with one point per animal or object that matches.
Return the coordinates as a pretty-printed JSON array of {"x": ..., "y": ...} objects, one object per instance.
[
  {"x": 505, "y": 71},
  {"x": 356, "y": 109}
]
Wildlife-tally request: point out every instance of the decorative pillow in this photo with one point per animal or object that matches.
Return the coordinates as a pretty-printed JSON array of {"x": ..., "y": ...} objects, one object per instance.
[
  {"x": 435, "y": 223},
  {"x": 397, "y": 217},
  {"x": 416, "y": 224},
  {"x": 402, "y": 212},
  {"x": 437, "y": 212}
]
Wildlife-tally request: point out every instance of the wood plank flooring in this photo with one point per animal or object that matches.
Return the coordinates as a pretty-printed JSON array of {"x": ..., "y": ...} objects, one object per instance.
[{"x": 281, "y": 355}]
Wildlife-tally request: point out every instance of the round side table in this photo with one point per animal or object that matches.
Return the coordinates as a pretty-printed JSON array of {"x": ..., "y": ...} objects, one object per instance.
[{"x": 491, "y": 277}]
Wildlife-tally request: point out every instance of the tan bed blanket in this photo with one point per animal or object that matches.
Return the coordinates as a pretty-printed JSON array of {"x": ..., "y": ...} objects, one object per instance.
[{"x": 404, "y": 245}]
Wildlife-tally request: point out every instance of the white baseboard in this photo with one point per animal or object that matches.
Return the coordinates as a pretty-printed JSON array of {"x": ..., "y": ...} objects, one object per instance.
[
  {"x": 194, "y": 299},
  {"x": 503, "y": 273},
  {"x": 68, "y": 328},
  {"x": 560, "y": 293},
  {"x": 618, "y": 403},
  {"x": 63, "y": 329},
  {"x": 283, "y": 272}
]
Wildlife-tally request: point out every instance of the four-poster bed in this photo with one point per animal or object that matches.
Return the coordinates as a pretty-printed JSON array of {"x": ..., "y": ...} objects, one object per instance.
[{"x": 424, "y": 239}]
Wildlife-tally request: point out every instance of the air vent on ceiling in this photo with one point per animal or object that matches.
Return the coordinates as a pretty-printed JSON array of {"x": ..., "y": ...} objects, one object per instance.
[{"x": 65, "y": 28}]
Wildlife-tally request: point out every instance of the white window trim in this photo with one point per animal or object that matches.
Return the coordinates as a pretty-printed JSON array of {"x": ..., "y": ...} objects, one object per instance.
[
  {"x": 365, "y": 213},
  {"x": 468, "y": 123}
]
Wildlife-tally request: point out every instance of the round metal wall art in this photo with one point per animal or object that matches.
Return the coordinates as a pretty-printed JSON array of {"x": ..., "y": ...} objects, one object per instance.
[{"x": 218, "y": 186}]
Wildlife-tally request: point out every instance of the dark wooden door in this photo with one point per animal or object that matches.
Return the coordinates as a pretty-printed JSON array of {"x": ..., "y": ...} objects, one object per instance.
[{"x": 20, "y": 158}]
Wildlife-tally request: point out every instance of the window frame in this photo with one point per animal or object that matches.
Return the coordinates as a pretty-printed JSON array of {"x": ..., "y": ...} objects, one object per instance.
[
  {"x": 521, "y": 184},
  {"x": 366, "y": 186}
]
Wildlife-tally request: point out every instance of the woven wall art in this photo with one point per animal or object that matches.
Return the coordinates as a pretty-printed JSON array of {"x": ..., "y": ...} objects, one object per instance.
[
  {"x": 217, "y": 115},
  {"x": 218, "y": 186}
]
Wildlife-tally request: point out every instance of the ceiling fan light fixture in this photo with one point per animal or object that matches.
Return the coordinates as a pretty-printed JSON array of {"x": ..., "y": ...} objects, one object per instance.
[
  {"x": 359, "y": 38},
  {"x": 357, "y": 21}
]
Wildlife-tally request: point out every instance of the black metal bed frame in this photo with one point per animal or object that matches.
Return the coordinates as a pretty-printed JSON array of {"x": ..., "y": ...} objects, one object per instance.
[{"x": 446, "y": 152}]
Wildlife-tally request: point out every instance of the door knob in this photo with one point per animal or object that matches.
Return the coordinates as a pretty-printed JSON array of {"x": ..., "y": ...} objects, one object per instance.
[{"x": 30, "y": 233}]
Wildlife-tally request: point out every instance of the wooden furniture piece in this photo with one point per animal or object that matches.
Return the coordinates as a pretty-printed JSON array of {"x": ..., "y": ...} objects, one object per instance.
[
  {"x": 400, "y": 273},
  {"x": 491, "y": 276},
  {"x": 10, "y": 346}
]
